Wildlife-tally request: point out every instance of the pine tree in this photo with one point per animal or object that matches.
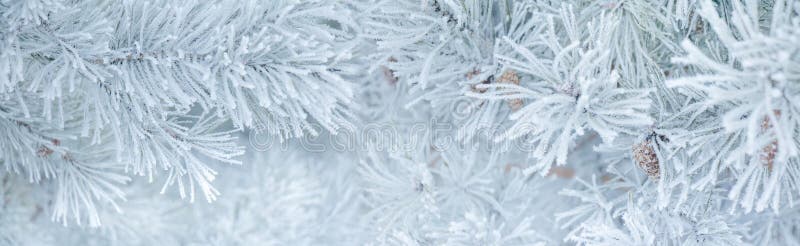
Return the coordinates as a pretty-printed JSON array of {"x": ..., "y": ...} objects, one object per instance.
[{"x": 399, "y": 122}]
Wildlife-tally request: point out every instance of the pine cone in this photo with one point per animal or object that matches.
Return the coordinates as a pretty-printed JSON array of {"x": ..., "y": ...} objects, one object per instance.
[
  {"x": 388, "y": 74},
  {"x": 768, "y": 155},
  {"x": 511, "y": 77},
  {"x": 475, "y": 88},
  {"x": 645, "y": 157},
  {"x": 769, "y": 152},
  {"x": 44, "y": 151},
  {"x": 561, "y": 172}
]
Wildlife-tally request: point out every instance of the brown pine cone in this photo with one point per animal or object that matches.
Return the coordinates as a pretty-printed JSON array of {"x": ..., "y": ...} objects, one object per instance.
[{"x": 645, "y": 157}]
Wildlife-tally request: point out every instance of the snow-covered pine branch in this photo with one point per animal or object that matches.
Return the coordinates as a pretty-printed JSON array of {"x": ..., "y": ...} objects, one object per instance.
[
  {"x": 749, "y": 81},
  {"x": 648, "y": 122},
  {"x": 568, "y": 86},
  {"x": 151, "y": 86}
]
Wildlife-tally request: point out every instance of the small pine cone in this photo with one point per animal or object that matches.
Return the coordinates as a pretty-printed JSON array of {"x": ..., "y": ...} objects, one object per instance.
[
  {"x": 388, "y": 74},
  {"x": 768, "y": 155},
  {"x": 475, "y": 88},
  {"x": 769, "y": 152},
  {"x": 700, "y": 26},
  {"x": 511, "y": 77},
  {"x": 606, "y": 178},
  {"x": 561, "y": 172},
  {"x": 44, "y": 151},
  {"x": 515, "y": 104},
  {"x": 645, "y": 157}
]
